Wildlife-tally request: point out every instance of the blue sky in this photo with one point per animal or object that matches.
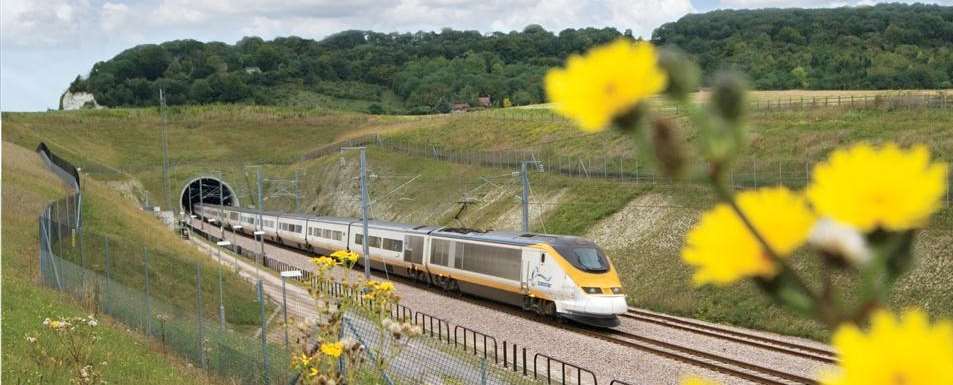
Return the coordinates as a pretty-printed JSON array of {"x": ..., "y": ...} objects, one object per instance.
[{"x": 44, "y": 44}]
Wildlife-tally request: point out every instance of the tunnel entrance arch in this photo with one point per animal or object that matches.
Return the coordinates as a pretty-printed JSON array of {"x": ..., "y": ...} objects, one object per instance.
[{"x": 206, "y": 189}]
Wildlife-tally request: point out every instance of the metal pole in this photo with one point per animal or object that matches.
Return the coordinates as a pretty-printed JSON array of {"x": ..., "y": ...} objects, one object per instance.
[
  {"x": 145, "y": 255},
  {"x": 221, "y": 203},
  {"x": 264, "y": 335},
  {"x": 525, "y": 180},
  {"x": 221, "y": 291},
  {"x": 261, "y": 227},
  {"x": 108, "y": 283},
  {"x": 201, "y": 199},
  {"x": 165, "y": 152},
  {"x": 284, "y": 306},
  {"x": 297, "y": 193},
  {"x": 198, "y": 312},
  {"x": 364, "y": 242}
]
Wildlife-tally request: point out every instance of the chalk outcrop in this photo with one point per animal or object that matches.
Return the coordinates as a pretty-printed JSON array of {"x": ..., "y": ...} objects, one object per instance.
[{"x": 78, "y": 100}]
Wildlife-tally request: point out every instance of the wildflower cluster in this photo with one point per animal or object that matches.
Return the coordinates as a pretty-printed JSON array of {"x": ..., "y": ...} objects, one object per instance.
[
  {"x": 380, "y": 296},
  {"x": 859, "y": 213},
  {"x": 321, "y": 367},
  {"x": 399, "y": 330},
  {"x": 324, "y": 358},
  {"x": 345, "y": 257},
  {"x": 69, "y": 341}
]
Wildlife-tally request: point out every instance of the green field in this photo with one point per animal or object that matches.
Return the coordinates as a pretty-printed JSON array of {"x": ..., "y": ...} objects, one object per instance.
[{"x": 640, "y": 224}]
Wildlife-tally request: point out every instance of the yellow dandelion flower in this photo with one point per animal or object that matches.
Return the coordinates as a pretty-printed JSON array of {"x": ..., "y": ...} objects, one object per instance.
[
  {"x": 722, "y": 249},
  {"x": 605, "y": 83},
  {"x": 887, "y": 187},
  {"x": 345, "y": 256},
  {"x": 323, "y": 263},
  {"x": 894, "y": 351},
  {"x": 693, "y": 380},
  {"x": 332, "y": 349}
]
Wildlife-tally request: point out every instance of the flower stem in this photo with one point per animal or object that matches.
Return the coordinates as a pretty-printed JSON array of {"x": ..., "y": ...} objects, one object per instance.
[{"x": 822, "y": 308}]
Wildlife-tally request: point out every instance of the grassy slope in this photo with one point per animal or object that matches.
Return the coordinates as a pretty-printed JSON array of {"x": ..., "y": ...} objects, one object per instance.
[
  {"x": 27, "y": 187},
  {"x": 641, "y": 226}
]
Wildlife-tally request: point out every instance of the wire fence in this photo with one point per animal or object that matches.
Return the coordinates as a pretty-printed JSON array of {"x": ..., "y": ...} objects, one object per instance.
[
  {"x": 888, "y": 102},
  {"x": 747, "y": 172}
]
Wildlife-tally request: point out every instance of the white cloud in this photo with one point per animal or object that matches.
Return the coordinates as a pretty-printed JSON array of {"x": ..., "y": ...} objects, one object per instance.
[{"x": 114, "y": 16}]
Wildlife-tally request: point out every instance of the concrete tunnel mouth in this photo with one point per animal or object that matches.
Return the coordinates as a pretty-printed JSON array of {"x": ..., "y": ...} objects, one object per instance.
[{"x": 206, "y": 189}]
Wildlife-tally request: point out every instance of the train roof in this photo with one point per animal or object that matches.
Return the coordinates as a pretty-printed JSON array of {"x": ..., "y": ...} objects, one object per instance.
[
  {"x": 504, "y": 237},
  {"x": 512, "y": 238}
]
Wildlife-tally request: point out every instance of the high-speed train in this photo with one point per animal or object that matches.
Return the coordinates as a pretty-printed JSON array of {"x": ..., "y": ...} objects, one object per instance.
[{"x": 555, "y": 275}]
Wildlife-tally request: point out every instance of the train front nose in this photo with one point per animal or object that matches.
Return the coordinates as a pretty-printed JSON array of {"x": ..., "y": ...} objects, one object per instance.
[
  {"x": 595, "y": 310},
  {"x": 594, "y": 305}
]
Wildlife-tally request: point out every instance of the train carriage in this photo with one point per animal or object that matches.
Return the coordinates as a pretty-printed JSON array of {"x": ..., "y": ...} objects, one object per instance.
[{"x": 291, "y": 230}]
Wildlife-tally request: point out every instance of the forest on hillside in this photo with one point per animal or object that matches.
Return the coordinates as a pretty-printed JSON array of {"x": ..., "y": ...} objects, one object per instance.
[
  {"x": 888, "y": 46},
  {"x": 881, "y": 47}
]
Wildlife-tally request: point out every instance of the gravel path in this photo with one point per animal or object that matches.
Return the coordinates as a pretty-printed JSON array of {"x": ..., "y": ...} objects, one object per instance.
[{"x": 607, "y": 360}]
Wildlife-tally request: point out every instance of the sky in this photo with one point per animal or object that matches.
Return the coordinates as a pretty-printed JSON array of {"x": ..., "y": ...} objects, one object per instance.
[{"x": 45, "y": 44}]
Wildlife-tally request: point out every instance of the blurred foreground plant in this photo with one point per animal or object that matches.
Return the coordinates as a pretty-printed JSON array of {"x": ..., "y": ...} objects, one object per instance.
[{"x": 859, "y": 214}]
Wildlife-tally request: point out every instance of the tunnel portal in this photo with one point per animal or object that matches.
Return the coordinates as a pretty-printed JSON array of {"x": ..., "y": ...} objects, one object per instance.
[{"x": 206, "y": 189}]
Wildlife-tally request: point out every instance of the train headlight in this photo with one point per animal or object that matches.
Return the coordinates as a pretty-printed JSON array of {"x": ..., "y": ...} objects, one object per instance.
[
  {"x": 592, "y": 290},
  {"x": 616, "y": 290}
]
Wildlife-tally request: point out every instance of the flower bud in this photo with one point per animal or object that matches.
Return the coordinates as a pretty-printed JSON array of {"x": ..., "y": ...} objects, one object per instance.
[
  {"x": 683, "y": 73},
  {"x": 841, "y": 240},
  {"x": 668, "y": 147},
  {"x": 728, "y": 97}
]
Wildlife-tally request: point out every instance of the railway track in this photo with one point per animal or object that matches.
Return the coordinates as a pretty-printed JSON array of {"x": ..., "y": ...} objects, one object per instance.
[
  {"x": 714, "y": 362},
  {"x": 767, "y": 343},
  {"x": 705, "y": 360}
]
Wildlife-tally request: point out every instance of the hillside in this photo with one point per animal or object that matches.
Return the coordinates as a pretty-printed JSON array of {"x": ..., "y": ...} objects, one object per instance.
[
  {"x": 887, "y": 46},
  {"x": 882, "y": 47},
  {"x": 639, "y": 222},
  {"x": 27, "y": 188}
]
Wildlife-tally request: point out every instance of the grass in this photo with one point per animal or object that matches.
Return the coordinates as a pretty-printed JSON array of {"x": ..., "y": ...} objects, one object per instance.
[
  {"x": 640, "y": 225},
  {"x": 27, "y": 189}
]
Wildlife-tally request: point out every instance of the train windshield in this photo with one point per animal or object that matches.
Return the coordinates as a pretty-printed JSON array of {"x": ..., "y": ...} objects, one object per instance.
[{"x": 590, "y": 259}]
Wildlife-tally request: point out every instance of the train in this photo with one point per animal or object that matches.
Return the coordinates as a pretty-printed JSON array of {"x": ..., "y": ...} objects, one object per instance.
[{"x": 557, "y": 276}]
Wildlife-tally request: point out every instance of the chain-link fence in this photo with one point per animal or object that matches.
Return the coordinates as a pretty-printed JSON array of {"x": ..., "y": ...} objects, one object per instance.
[{"x": 424, "y": 360}]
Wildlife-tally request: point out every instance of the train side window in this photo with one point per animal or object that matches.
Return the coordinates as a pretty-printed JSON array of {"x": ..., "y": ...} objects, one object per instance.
[{"x": 359, "y": 239}]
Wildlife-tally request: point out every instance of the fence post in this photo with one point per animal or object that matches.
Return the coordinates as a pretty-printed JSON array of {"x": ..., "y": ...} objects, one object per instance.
[
  {"x": 109, "y": 306},
  {"x": 264, "y": 332},
  {"x": 145, "y": 255},
  {"x": 483, "y": 371},
  {"x": 198, "y": 315}
]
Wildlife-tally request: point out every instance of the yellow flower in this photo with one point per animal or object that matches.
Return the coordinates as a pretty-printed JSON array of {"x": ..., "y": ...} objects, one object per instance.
[
  {"x": 722, "y": 249},
  {"x": 302, "y": 359},
  {"x": 605, "y": 83},
  {"x": 886, "y": 187},
  {"x": 323, "y": 263},
  {"x": 332, "y": 349},
  {"x": 313, "y": 372},
  {"x": 346, "y": 257},
  {"x": 692, "y": 380},
  {"x": 906, "y": 351}
]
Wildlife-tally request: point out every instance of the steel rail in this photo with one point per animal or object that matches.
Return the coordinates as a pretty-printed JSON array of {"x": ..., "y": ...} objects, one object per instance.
[{"x": 767, "y": 343}]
